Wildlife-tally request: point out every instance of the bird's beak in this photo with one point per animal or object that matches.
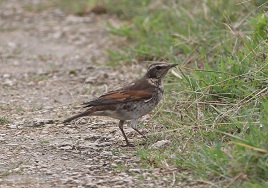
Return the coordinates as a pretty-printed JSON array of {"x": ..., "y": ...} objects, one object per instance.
[{"x": 172, "y": 65}]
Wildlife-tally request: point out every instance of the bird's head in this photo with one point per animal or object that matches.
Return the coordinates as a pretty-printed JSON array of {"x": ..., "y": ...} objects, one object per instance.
[{"x": 158, "y": 70}]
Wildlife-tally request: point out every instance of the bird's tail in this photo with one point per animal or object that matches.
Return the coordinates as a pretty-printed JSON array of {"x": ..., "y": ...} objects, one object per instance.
[{"x": 86, "y": 113}]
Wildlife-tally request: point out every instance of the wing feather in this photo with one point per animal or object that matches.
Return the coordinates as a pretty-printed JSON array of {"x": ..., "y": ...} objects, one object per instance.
[{"x": 121, "y": 96}]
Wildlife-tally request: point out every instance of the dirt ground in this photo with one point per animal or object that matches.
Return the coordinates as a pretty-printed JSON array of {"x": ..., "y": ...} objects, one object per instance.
[{"x": 50, "y": 62}]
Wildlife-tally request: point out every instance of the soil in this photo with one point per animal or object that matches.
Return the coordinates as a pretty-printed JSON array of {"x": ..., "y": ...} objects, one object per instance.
[{"x": 51, "y": 61}]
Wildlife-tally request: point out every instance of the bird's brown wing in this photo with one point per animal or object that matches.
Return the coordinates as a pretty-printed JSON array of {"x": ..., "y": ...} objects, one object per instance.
[{"x": 121, "y": 96}]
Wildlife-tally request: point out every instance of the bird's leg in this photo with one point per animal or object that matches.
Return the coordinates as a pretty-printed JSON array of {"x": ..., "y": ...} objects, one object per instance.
[
  {"x": 133, "y": 124},
  {"x": 121, "y": 123}
]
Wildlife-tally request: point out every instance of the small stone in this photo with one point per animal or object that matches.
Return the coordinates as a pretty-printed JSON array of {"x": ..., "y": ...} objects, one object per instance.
[
  {"x": 64, "y": 158},
  {"x": 106, "y": 153},
  {"x": 49, "y": 172},
  {"x": 12, "y": 44},
  {"x": 6, "y": 76},
  {"x": 91, "y": 79},
  {"x": 36, "y": 123},
  {"x": 13, "y": 126},
  {"x": 160, "y": 143},
  {"x": 66, "y": 147},
  {"x": 103, "y": 144},
  {"x": 114, "y": 165},
  {"x": 8, "y": 82},
  {"x": 138, "y": 171},
  {"x": 57, "y": 35},
  {"x": 16, "y": 169}
]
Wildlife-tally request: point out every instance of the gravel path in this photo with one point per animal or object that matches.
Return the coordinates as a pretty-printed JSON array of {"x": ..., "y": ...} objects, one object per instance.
[{"x": 50, "y": 62}]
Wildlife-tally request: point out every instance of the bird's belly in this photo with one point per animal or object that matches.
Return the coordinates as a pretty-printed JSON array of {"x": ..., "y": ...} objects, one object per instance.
[
  {"x": 132, "y": 109},
  {"x": 135, "y": 109}
]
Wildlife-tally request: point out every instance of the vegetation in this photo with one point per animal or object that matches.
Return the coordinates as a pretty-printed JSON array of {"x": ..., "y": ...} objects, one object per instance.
[
  {"x": 216, "y": 112},
  {"x": 4, "y": 120}
]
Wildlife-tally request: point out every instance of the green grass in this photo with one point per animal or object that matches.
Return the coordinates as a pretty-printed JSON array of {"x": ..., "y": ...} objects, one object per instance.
[
  {"x": 216, "y": 116},
  {"x": 4, "y": 120}
]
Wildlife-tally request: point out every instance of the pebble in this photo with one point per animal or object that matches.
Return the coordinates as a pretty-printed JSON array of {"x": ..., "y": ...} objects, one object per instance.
[
  {"x": 138, "y": 171},
  {"x": 6, "y": 76},
  {"x": 8, "y": 82},
  {"x": 103, "y": 144},
  {"x": 13, "y": 126},
  {"x": 160, "y": 143}
]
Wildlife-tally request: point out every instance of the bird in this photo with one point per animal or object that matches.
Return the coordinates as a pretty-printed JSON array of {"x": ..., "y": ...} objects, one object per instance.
[{"x": 130, "y": 102}]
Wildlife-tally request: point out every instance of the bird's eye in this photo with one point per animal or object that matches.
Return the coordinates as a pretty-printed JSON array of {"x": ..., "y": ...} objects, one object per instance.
[{"x": 158, "y": 67}]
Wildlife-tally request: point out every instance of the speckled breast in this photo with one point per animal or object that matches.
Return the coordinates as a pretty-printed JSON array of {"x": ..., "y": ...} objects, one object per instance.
[{"x": 136, "y": 109}]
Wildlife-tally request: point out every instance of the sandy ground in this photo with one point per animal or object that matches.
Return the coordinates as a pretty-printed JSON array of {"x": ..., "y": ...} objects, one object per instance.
[{"x": 50, "y": 62}]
